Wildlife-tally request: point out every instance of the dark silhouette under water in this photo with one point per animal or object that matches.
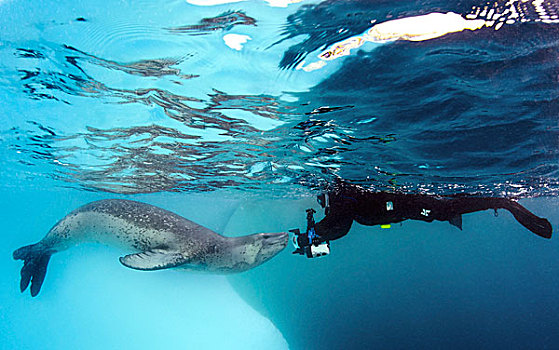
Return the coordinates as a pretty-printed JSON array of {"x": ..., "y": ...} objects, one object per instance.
[{"x": 346, "y": 203}]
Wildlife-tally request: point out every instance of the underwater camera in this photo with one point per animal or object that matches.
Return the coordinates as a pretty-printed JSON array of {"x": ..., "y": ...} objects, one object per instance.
[{"x": 309, "y": 243}]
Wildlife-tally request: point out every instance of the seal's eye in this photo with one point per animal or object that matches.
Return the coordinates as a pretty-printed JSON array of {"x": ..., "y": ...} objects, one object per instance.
[{"x": 266, "y": 236}]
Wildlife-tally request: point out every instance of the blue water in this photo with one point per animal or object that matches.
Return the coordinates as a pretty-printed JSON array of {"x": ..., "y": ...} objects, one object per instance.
[{"x": 145, "y": 100}]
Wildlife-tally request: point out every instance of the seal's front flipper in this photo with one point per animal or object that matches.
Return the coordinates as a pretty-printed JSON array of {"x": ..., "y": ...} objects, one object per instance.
[{"x": 155, "y": 259}]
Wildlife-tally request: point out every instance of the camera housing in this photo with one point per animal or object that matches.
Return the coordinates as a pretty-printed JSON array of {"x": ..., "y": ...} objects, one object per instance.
[
  {"x": 309, "y": 243},
  {"x": 316, "y": 251}
]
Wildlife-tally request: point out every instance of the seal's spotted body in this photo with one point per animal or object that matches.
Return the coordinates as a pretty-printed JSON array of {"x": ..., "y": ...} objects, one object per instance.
[{"x": 164, "y": 239}]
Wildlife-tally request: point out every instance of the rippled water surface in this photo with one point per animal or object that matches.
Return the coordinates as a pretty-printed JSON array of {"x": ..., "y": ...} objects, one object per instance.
[{"x": 147, "y": 96}]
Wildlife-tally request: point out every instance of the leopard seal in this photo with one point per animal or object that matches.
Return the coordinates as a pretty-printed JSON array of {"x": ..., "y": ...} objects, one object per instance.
[{"x": 161, "y": 239}]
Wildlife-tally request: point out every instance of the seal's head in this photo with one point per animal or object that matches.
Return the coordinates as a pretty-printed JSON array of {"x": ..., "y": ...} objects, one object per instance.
[{"x": 256, "y": 249}]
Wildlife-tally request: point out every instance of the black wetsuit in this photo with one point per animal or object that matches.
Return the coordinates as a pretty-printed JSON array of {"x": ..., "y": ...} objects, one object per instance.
[{"x": 348, "y": 203}]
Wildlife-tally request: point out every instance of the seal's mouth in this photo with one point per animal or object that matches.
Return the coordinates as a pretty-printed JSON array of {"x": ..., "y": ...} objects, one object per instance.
[
  {"x": 261, "y": 247},
  {"x": 273, "y": 243},
  {"x": 279, "y": 238}
]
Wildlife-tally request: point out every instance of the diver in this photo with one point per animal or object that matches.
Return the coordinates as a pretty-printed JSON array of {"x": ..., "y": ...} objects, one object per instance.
[{"x": 346, "y": 203}]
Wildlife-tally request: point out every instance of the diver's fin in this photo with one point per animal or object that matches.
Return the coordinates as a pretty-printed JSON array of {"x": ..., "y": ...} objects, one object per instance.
[
  {"x": 456, "y": 221},
  {"x": 537, "y": 225},
  {"x": 155, "y": 259}
]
